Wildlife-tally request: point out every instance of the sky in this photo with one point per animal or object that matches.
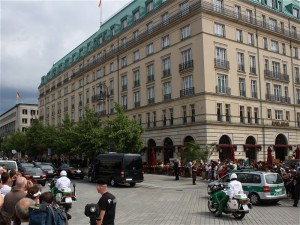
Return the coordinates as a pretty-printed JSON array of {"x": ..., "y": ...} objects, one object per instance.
[{"x": 36, "y": 34}]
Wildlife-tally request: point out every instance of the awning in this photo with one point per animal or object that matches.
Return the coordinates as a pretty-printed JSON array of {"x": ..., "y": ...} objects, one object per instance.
[{"x": 283, "y": 146}]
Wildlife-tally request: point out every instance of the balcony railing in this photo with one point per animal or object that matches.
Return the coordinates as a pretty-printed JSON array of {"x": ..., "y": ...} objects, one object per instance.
[
  {"x": 98, "y": 97},
  {"x": 222, "y": 64},
  {"x": 167, "y": 97},
  {"x": 188, "y": 65},
  {"x": 277, "y": 98},
  {"x": 276, "y": 76},
  {"x": 223, "y": 90},
  {"x": 187, "y": 91}
]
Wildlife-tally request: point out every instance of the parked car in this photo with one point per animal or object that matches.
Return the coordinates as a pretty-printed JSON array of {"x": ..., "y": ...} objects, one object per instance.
[
  {"x": 73, "y": 171},
  {"x": 259, "y": 186},
  {"x": 22, "y": 166},
  {"x": 117, "y": 168},
  {"x": 48, "y": 170},
  {"x": 36, "y": 175},
  {"x": 9, "y": 164}
]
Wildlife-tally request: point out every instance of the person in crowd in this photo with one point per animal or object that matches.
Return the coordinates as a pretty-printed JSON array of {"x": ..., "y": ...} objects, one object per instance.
[
  {"x": 6, "y": 182},
  {"x": 194, "y": 172},
  {"x": 4, "y": 218},
  {"x": 22, "y": 210},
  {"x": 287, "y": 179},
  {"x": 15, "y": 195},
  {"x": 1, "y": 201},
  {"x": 176, "y": 169},
  {"x": 107, "y": 204},
  {"x": 34, "y": 193},
  {"x": 234, "y": 187},
  {"x": 296, "y": 183},
  {"x": 189, "y": 166},
  {"x": 46, "y": 197}
]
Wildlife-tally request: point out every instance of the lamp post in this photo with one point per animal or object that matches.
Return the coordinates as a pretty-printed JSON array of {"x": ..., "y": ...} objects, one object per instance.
[{"x": 104, "y": 95}]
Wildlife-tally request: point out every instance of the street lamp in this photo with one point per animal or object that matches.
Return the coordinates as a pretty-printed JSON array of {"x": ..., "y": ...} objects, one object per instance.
[{"x": 104, "y": 94}]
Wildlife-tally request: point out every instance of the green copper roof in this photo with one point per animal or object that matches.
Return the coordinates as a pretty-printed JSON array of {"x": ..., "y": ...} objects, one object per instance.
[{"x": 103, "y": 35}]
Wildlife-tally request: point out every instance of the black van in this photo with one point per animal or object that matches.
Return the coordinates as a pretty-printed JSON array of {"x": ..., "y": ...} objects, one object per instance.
[{"x": 117, "y": 168}]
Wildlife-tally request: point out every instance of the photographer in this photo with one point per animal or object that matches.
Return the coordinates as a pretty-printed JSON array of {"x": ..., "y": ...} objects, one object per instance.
[{"x": 107, "y": 204}]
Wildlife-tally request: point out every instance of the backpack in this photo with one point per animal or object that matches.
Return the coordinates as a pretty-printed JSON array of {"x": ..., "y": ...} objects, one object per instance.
[{"x": 45, "y": 214}]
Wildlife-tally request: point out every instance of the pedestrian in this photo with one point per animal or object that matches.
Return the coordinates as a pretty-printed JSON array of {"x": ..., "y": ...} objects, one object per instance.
[
  {"x": 194, "y": 172},
  {"x": 189, "y": 166},
  {"x": 34, "y": 193},
  {"x": 296, "y": 188},
  {"x": 107, "y": 204},
  {"x": 176, "y": 169},
  {"x": 6, "y": 182}
]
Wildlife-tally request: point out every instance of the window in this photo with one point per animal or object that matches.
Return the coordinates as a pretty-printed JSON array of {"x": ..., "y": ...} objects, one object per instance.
[
  {"x": 171, "y": 116},
  {"x": 286, "y": 93},
  {"x": 184, "y": 8},
  {"x": 150, "y": 49},
  {"x": 273, "y": 24},
  {"x": 165, "y": 18},
  {"x": 269, "y": 113},
  {"x": 218, "y": 5},
  {"x": 150, "y": 73},
  {"x": 242, "y": 87},
  {"x": 124, "y": 62},
  {"x": 124, "y": 82},
  {"x": 220, "y": 54},
  {"x": 268, "y": 90},
  {"x": 167, "y": 90},
  {"x": 136, "y": 78},
  {"x": 298, "y": 96},
  {"x": 283, "y": 49},
  {"x": 185, "y": 32},
  {"x": 24, "y": 120},
  {"x": 266, "y": 65},
  {"x": 250, "y": 39},
  {"x": 295, "y": 52},
  {"x": 279, "y": 6},
  {"x": 149, "y": 6},
  {"x": 264, "y": 21},
  {"x": 136, "y": 55},
  {"x": 124, "y": 24},
  {"x": 136, "y": 35},
  {"x": 278, "y": 115},
  {"x": 237, "y": 11},
  {"x": 136, "y": 15},
  {"x": 150, "y": 94},
  {"x": 249, "y": 115},
  {"x": 274, "y": 46},
  {"x": 219, "y": 111},
  {"x": 265, "y": 43},
  {"x": 294, "y": 31},
  {"x": 249, "y": 17},
  {"x": 277, "y": 92},
  {"x": 239, "y": 35},
  {"x": 298, "y": 119},
  {"x": 284, "y": 68},
  {"x": 124, "y": 102},
  {"x": 113, "y": 31},
  {"x": 222, "y": 84},
  {"x": 256, "y": 115},
  {"x": 282, "y": 27},
  {"x": 184, "y": 114},
  {"x": 136, "y": 99},
  {"x": 242, "y": 111},
  {"x": 287, "y": 115},
  {"x": 296, "y": 13},
  {"x": 276, "y": 69},
  {"x": 252, "y": 63},
  {"x": 241, "y": 66},
  {"x": 123, "y": 41},
  {"x": 227, "y": 112},
  {"x": 186, "y": 56},
  {"x": 253, "y": 88},
  {"x": 165, "y": 42},
  {"x": 220, "y": 30},
  {"x": 112, "y": 67},
  {"x": 193, "y": 113},
  {"x": 187, "y": 82},
  {"x": 149, "y": 27},
  {"x": 24, "y": 112},
  {"x": 297, "y": 75},
  {"x": 166, "y": 67}
]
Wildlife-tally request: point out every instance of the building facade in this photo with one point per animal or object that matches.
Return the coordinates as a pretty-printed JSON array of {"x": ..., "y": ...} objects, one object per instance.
[
  {"x": 18, "y": 117},
  {"x": 210, "y": 71}
]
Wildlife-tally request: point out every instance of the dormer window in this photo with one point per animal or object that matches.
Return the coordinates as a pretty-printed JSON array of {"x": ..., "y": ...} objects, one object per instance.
[
  {"x": 113, "y": 31},
  {"x": 296, "y": 12},
  {"x": 149, "y": 6},
  {"x": 136, "y": 15},
  {"x": 279, "y": 6},
  {"x": 124, "y": 23}
]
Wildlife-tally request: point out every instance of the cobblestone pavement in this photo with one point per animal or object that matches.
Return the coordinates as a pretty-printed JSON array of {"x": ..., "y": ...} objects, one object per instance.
[{"x": 160, "y": 200}]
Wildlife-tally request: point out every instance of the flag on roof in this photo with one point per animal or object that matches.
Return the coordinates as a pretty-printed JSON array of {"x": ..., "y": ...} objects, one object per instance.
[{"x": 100, "y": 3}]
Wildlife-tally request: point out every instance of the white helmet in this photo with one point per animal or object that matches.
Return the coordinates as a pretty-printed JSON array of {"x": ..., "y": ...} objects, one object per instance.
[
  {"x": 63, "y": 173},
  {"x": 233, "y": 176}
]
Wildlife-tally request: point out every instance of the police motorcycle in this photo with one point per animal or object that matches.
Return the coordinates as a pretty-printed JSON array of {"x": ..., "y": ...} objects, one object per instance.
[
  {"x": 65, "y": 196},
  {"x": 238, "y": 206}
]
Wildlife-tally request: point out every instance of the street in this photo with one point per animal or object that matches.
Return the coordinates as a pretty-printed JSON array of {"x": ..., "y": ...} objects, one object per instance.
[{"x": 162, "y": 200}]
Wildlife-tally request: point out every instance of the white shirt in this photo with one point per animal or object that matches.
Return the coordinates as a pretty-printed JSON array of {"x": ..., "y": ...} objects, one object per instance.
[
  {"x": 235, "y": 187},
  {"x": 5, "y": 189},
  {"x": 62, "y": 182}
]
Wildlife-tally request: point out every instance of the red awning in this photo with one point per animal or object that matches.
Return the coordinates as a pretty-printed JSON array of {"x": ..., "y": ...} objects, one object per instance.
[
  {"x": 252, "y": 146},
  {"x": 227, "y": 146},
  {"x": 283, "y": 146}
]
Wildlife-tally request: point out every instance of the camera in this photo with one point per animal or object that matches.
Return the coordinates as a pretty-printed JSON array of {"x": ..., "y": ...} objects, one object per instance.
[{"x": 93, "y": 211}]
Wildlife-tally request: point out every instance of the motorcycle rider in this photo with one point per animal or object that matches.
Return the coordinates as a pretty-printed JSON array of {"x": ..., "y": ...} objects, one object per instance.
[
  {"x": 234, "y": 187},
  {"x": 62, "y": 182}
]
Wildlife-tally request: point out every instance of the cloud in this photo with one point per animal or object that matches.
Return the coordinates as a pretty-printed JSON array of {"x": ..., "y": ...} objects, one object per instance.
[{"x": 35, "y": 34}]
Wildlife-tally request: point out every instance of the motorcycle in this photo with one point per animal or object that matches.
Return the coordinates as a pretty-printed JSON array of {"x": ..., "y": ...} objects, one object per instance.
[
  {"x": 238, "y": 206},
  {"x": 64, "y": 197}
]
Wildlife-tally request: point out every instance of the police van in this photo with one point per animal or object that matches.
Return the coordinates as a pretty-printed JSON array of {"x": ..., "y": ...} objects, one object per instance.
[
  {"x": 258, "y": 185},
  {"x": 117, "y": 168}
]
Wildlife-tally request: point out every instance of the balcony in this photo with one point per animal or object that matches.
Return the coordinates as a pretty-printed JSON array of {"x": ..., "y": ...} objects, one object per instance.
[
  {"x": 98, "y": 97},
  {"x": 223, "y": 90},
  {"x": 241, "y": 67},
  {"x": 151, "y": 100},
  {"x": 166, "y": 73},
  {"x": 187, "y": 91},
  {"x": 276, "y": 76},
  {"x": 188, "y": 65},
  {"x": 222, "y": 64},
  {"x": 167, "y": 97},
  {"x": 277, "y": 98}
]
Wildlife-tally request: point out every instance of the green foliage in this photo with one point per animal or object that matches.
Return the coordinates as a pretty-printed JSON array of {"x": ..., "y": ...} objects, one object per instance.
[
  {"x": 16, "y": 141},
  {"x": 123, "y": 134},
  {"x": 194, "y": 151}
]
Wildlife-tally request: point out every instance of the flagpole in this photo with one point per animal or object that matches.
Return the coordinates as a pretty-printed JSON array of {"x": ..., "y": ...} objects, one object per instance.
[{"x": 100, "y": 6}]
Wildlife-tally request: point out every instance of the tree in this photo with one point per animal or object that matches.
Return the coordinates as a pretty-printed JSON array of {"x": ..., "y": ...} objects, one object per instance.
[
  {"x": 194, "y": 151},
  {"x": 123, "y": 134},
  {"x": 16, "y": 141}
]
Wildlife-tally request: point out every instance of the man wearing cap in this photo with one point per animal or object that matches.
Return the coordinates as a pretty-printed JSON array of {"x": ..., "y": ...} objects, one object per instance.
[{"x": 107, "y": 204}]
